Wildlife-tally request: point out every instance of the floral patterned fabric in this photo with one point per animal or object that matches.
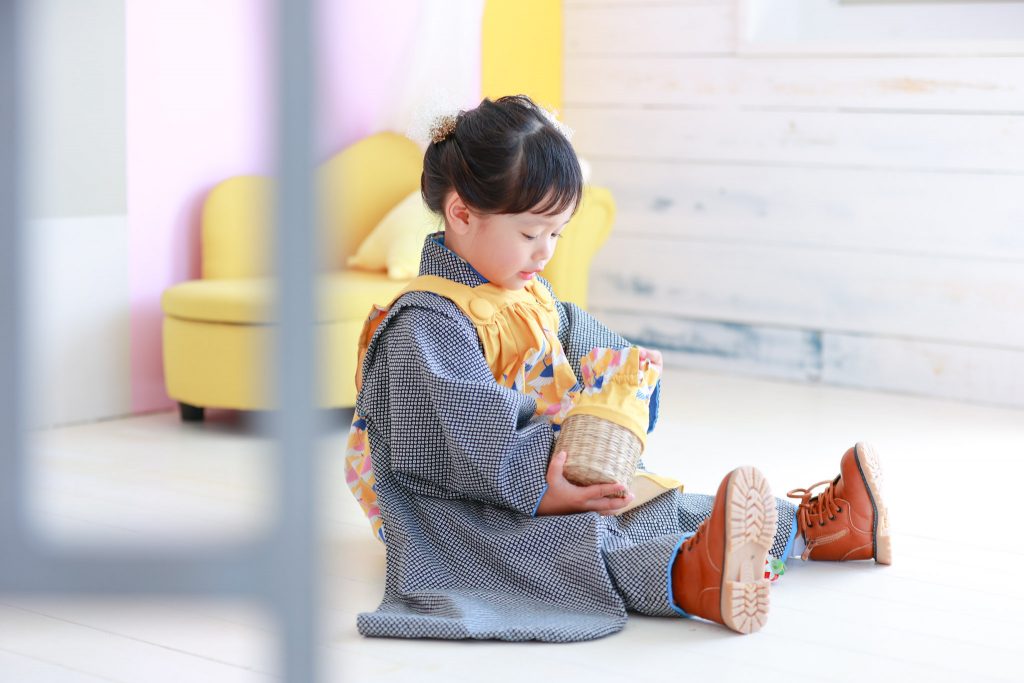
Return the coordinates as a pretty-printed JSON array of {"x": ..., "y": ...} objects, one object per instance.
[{"x": 618, "y": 386}]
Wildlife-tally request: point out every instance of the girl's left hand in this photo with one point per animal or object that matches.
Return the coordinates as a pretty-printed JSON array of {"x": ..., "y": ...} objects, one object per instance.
[
  {"x": 651, "y": 355},
  {"x": 562, "y": 497}
]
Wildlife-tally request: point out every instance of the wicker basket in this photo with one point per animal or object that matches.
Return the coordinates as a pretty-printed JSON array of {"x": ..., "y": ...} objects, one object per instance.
[{"x": 598, "y": 451}]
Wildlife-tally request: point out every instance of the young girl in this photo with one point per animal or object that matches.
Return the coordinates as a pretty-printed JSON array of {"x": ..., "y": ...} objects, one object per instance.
[{"x": 485, "y": 537}]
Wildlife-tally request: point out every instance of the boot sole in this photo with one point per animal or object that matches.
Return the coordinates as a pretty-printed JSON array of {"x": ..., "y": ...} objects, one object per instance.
[
  {"x": 749, "y": 532},
  {"x": 871, "y": 470}
]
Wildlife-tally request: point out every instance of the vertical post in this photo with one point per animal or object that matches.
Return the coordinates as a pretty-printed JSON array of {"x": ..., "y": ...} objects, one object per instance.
[
  {"x": 281, "y": 570},
  {"x": 11, "y": 324},
  {"x": 297, "y": 594}
]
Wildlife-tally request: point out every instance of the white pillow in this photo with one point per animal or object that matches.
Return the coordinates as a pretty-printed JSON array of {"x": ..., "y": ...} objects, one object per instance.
[{"x": 396, "y": 242}]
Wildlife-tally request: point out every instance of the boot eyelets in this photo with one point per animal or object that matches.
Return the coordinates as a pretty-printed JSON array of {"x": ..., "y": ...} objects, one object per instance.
[
  {"x": 839, "y": 509},
  {"x": 821, "y": 523},
  {"x": 832, "y": 517}
]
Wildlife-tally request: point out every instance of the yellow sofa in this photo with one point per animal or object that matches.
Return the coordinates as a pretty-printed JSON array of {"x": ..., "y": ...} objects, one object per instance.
[{"x": 218, "y": 329}]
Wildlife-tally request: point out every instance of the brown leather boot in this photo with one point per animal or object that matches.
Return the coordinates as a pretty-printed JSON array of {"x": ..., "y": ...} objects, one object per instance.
[
  {"x": 718, "y": 573},
  {"x": 848, "y": 520}
]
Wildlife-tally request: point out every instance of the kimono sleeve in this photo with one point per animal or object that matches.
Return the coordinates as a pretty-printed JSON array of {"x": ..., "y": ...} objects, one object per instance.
[
  {"x": 579, "y": 332},
  {"x": 453, "y": 431}
]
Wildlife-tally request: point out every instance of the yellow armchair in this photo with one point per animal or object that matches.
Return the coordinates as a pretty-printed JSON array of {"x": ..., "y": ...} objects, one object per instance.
[{"x": 218, "y": 330}]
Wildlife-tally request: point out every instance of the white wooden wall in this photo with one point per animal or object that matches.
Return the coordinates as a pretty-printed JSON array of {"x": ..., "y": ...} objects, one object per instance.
[
  {"x": 848, "y": 218},
  {"x": 77, "y": 244}
]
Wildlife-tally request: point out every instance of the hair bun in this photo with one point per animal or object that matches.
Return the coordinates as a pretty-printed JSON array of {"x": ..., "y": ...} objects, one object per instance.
[
  {"x": 508, "y": 155},
  {"x": 442, "y": 127},
  {"x": 433, "y": 118}
]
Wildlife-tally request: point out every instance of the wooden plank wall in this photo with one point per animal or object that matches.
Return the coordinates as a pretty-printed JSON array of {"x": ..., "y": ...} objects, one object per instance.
[{"x": 850, "y": 219}]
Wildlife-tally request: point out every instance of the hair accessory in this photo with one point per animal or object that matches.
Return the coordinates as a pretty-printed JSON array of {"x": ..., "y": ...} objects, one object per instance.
[
  {"x": 442, "y": 127},
  {"x": 552, "y": 117},
  {"x": 433, "y": 117}
]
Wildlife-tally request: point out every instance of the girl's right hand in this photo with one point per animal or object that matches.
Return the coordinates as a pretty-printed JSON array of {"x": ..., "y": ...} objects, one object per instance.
[{"x": 565, "y": 498}]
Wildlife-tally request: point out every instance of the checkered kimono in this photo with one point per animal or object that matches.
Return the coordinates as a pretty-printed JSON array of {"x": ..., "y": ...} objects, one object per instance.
[{"x": 460, "y": 465}]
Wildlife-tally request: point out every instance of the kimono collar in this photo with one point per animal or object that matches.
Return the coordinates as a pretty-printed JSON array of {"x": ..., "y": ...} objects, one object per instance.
[{"x": 439, "y": 260}]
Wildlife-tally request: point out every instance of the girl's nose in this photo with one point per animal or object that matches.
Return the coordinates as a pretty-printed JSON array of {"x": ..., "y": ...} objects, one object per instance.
[{"x": 544, "y": 250}]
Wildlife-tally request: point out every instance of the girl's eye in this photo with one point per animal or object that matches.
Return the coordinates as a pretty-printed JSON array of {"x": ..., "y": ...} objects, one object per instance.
[{"x": 529, "y": 237}]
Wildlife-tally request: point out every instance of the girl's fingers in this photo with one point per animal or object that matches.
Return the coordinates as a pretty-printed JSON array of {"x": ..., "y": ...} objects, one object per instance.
[
  {"x": 651, "y": 355},
  {"x": 556, "y": 465},
  {"x": 616, "y": 503},
  {"x": 600, "y": 494},
  {"x": 605, "y": 490},
  {"x": 608, "y": 504},
  {"x": 611, "y": 506}
]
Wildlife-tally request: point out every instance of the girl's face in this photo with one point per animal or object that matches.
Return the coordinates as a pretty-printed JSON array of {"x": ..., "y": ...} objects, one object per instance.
[{"x": 507, "y": 249}]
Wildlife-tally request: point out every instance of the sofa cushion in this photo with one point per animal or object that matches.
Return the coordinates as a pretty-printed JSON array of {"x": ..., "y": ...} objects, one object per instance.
[
  {"x": 396, "y": 241},
  {"x": 360, "y": 184},
  {"x": 347, "y": 295}
]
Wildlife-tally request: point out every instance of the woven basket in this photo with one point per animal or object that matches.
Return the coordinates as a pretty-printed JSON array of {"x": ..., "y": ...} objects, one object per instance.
[{"x": 598, "y": 451}]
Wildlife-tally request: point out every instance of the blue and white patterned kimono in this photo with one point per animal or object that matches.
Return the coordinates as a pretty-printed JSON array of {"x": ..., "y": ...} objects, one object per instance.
[{"x": 460, "y": 465}]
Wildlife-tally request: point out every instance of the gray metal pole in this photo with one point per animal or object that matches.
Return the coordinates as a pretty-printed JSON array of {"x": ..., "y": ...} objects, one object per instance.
[
  {"x": 281, "y": 570},
  {"x": 12, "y": 479},
  {"x": 298, "y": 590}
]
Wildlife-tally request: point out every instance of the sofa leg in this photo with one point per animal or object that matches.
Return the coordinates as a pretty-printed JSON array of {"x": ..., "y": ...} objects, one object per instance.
[{"x": 190, "y": 413}]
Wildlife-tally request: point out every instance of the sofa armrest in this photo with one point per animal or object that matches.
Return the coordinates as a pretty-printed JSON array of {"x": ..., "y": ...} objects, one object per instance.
[{"x": 569, "y": 270}]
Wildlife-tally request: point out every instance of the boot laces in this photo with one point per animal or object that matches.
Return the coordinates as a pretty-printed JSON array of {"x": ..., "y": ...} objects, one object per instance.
[{"x": 816, "y": 508}]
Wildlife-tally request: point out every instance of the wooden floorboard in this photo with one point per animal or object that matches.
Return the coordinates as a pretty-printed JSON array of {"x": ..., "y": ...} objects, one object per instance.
[{"x": 948, "y": 609}]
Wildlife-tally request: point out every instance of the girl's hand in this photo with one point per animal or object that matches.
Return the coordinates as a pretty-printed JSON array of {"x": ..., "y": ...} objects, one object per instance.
[
  {"x": 651, "y": 355},
  {"x": 565, "y": 498}
]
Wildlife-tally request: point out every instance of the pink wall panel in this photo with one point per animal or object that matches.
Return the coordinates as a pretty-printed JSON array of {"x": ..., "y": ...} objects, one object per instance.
[
  {"x": 362, "y": 49},
  {"x": 378, "y": 60},
  {"x": 198, "y": 103},
  {"x": 200, "y": 109}
]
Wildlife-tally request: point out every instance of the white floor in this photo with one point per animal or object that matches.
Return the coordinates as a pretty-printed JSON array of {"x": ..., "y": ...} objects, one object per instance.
[{"x": 950, "y": 608}]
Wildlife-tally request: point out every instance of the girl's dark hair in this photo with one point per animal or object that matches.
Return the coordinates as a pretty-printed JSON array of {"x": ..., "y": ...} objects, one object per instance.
[{"x": 504, "y": 156}]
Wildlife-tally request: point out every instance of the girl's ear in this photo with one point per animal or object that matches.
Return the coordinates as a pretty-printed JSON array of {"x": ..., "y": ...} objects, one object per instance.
[{"x": 456, "y": 214}]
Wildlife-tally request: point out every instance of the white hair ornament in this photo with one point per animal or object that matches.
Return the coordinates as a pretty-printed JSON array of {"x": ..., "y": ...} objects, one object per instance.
[
  {"x": 433, "y": 116},
  {"x": 552, "y": 117},
  {"x": 434, "y": 120}
]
